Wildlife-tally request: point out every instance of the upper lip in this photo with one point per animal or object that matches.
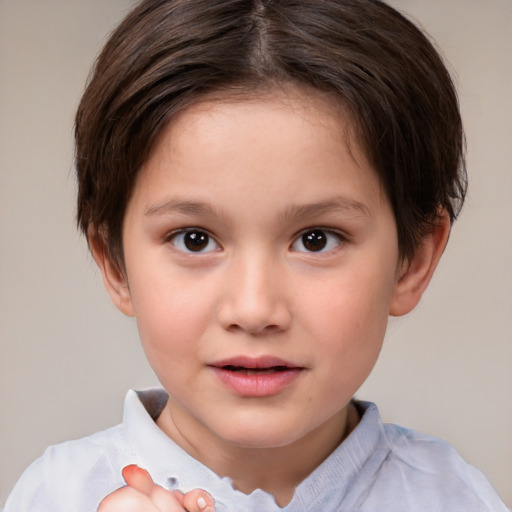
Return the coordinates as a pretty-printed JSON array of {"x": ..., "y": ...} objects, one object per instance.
[{"x": 254, "y": 362}]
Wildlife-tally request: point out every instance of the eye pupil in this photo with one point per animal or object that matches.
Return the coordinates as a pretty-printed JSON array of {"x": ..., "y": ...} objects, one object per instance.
[
  {"x": 314, "y": 240},
  {"x": 196, "y": 240}
]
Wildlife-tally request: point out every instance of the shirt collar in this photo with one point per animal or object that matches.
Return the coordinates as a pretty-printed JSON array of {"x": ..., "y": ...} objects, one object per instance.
[{"x": 358, "y": 456}]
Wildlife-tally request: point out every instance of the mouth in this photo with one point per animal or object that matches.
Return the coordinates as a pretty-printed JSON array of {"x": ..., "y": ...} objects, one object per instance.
[
  {"x": 255, "y": 366},
  {"x": 256, "y": 377},
  {"x": 255, "y": 371}
]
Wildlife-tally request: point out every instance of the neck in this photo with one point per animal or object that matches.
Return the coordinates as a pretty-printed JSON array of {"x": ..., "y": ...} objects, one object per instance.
[{"x": 276, "y": 470}]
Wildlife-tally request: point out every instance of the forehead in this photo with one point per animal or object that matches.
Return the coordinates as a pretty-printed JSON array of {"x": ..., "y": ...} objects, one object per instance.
[
  {"x": 294, "y": 108},
  {"x": 292, "y": 139}
]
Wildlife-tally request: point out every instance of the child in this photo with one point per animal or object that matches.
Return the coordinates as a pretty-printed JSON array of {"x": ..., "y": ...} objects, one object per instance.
[{"x": 261, "y": 185}]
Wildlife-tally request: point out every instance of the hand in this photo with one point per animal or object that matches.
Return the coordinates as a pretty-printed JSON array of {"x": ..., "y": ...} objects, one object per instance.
[{"x": 141, "y": 494}]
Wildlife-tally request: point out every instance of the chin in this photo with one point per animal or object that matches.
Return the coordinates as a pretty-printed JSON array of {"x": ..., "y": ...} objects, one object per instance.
[{"x": 265, "y": 436}]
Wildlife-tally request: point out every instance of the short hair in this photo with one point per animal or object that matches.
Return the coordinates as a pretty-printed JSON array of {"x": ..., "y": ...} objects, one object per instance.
[{"x": 384, "y": 71}]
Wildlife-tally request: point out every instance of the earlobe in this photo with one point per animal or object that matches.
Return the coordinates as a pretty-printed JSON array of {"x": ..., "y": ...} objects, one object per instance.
[
  {"x": 114, "y": 278},
  {"x": 416, "y": 273}
]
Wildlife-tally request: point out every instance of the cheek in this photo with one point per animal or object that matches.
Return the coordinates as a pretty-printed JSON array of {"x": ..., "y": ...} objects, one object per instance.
[
  {"x": 353, "y": 305},
  {"x": 353, "y": 338},
  {"x": 348, "y": 319},
  {"x": 172, "y": 313},
  {"x": 353, "y": 333}
]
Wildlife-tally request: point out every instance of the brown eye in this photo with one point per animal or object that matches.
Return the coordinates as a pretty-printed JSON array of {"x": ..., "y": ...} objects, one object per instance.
[
  {"x": 317, "y": 240},
  {"x": 314, "y": 240},
  {"x": 194, "y": 240}
]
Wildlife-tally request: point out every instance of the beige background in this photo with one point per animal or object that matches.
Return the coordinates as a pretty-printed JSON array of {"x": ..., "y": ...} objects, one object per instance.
[{"x": 67, "y": 357}]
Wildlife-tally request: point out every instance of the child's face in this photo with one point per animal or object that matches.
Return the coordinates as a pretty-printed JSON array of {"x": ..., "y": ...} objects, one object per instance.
[{"x": 256, "y": 238}]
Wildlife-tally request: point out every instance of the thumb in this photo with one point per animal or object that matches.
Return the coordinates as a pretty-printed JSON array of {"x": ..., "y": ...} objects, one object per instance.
[{"x": 139, "y": 479}]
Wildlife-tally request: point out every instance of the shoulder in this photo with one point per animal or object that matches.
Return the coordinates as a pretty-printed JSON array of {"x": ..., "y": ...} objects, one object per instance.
[
  {"x": 426, "y": 473},
  {"x": 77, "y": 473},
  {"x": 100, "y": 453}
]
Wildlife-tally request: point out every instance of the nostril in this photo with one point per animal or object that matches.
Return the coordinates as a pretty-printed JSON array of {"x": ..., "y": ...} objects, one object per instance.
[{"x": 255, "y": 330}]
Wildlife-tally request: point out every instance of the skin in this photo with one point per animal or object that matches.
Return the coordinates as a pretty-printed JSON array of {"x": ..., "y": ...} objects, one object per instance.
[
  {"x": 253, "y": 176},
  {"x": 141, "y": 494}
]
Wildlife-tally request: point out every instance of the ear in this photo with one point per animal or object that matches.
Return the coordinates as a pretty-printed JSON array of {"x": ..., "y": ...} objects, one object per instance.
[
  {"x": 114, "y": 277},
  {"x": 415, "y": 274}
]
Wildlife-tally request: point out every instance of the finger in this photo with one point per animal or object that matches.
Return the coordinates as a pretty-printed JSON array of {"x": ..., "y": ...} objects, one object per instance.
[
  {"x": 167, "y": 501},
  {"x": 198, "y": 500},
  {"x": 127, "y": 499},
  {"x": 138, "y": 479},
  {"x": 175, "y": 501}
]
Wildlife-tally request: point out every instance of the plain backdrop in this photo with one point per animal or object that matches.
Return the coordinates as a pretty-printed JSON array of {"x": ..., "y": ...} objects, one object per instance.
[{"x": 68, "y": 357}]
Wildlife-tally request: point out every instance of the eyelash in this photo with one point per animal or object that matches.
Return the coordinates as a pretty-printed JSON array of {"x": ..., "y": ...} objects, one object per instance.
[
  {"x": 325, "y": 240},
  {"x": 322, "y": 238},
  {"x": 171, "y": 238}
]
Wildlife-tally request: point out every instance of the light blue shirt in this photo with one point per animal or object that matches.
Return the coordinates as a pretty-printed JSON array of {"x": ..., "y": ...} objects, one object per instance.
[{"x": 378, "y": 468}]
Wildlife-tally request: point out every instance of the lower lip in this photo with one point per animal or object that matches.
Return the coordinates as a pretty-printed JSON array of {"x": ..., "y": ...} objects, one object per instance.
[{"x": 257, "y": 385}]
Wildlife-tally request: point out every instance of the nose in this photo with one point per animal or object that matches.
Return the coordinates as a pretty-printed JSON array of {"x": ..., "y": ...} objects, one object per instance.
[{"x": 254, "y": 297}]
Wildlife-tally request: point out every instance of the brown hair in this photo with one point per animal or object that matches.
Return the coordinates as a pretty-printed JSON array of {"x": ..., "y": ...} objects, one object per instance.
[{"x": 168, "y": 53}]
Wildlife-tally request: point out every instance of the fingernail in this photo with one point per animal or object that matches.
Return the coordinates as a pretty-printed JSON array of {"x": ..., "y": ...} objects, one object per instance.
[
  {"x": 135, "y": 471},
  {"x": 201, "y": 503},
  {"x": 131, "y": 469}
]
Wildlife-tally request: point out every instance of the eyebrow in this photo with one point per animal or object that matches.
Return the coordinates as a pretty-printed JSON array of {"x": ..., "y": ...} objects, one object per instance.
[
  {"x": 180, "y": 206},
  {"x": 337, "y": 204}
]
